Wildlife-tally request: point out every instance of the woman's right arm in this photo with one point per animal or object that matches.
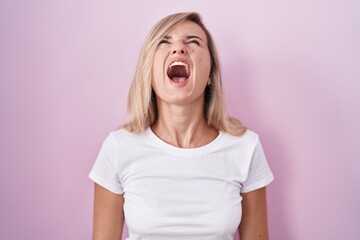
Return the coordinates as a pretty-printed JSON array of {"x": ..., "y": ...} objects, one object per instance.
[{"x": 108, "y": 214}]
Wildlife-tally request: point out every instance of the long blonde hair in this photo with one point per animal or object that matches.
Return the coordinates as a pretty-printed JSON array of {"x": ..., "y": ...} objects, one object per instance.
[{"x": 142, "y": 108}]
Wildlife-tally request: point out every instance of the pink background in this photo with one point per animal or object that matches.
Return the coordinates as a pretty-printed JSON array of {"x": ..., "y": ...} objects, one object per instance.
[{"x": 291, "y": 73}]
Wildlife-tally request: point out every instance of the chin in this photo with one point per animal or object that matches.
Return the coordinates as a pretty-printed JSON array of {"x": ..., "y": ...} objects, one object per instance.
[{"x": 182, "y": 99}]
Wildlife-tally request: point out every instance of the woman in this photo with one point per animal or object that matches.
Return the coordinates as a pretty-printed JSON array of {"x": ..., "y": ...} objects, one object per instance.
[{"x": 180, "y": 168}]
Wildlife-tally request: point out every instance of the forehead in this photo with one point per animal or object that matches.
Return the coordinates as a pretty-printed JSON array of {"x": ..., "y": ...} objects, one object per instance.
[{"x": 187, "y": 28}]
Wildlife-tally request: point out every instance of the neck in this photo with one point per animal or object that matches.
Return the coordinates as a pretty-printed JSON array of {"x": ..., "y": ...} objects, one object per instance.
[{"x": 183, "y": 126}]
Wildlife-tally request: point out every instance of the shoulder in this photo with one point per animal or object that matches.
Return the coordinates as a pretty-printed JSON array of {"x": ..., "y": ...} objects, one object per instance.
[
  {"x": 122, "y": 135},
  {"x": 249, "y": 137},
  {"x": 122, "y": 138},
  {"x": 242, "y": 146}
]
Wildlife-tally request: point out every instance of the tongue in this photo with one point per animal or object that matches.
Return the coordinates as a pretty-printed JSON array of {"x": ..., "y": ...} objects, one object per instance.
[
  {"x": 178, "y": 73},
  {"x": 179, "y": 79}
]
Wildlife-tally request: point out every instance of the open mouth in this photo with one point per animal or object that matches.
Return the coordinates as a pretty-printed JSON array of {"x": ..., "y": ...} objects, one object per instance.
[{"x": 178, "y": 72}]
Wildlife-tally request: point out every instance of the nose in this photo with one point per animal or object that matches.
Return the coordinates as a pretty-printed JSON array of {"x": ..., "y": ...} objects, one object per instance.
[{"x": 179, "y": 48}]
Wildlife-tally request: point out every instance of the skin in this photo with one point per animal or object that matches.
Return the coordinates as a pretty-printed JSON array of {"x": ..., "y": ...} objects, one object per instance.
[
  {"x": 181, "y": 117},
  {"x": 254, "y": 216},
  {"x": 182, "y": 123},
  {"x": 108, "y": 214}
]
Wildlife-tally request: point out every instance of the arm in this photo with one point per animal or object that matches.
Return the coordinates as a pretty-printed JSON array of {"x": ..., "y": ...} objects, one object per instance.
[
  {"x": 254, "y": 216},
  {"x": 108, "y": 214}
]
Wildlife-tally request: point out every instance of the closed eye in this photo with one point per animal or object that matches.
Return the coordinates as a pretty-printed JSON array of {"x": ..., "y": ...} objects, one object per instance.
[
  {"x": 194, "y": 41},
  {"x": 163, "y": 41}
]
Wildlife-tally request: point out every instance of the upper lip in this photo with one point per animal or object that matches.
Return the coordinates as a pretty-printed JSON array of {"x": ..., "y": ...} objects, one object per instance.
[
  {"x": 179, "y": 60},
  {"x": 182, "y": 60}
]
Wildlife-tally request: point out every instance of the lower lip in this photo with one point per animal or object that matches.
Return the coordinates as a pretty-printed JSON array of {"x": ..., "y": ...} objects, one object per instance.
[{"x": 178, "y": 84}]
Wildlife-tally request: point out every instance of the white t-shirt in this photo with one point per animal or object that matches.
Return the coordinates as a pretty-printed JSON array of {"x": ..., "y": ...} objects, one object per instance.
[{"x": 181, "y": 193}]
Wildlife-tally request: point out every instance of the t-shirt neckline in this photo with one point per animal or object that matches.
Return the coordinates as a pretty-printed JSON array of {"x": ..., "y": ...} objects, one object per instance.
[{"x": 159, "y": 143}]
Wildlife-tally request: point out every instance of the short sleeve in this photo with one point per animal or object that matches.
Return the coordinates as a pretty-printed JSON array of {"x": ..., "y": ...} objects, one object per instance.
[
  {"x": 260, "y": 173},
  {"x": 105, "y": 171}
]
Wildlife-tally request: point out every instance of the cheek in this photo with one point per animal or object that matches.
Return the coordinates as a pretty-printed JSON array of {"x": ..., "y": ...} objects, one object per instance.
[
  {"x": 157, "y": 72},
  {"x": 205, "y": 65},
  {"x": 157, "y": 67}
]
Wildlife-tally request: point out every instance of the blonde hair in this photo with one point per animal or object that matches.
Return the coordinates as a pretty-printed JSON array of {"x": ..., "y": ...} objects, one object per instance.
[{"x": 142, "y": 108}]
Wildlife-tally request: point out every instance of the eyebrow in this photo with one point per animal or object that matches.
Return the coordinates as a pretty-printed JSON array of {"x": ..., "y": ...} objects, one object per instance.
[
  {"x": 187, "y": 37},
  {"x": 194, "y": 36}
]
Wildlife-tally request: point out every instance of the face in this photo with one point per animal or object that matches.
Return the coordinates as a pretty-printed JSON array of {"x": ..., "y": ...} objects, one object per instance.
[{"x": 182, "y": 65}]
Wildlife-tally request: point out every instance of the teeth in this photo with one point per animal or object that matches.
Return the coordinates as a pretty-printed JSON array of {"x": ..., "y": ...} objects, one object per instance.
[{"x": 179, "y": 63}]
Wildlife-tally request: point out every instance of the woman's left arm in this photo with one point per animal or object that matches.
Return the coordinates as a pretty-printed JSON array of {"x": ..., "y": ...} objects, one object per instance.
[{"x": 254, "y": 216}]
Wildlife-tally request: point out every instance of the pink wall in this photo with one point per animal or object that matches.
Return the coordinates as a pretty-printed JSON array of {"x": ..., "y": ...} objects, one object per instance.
[{"x": 291, "y": 73}]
